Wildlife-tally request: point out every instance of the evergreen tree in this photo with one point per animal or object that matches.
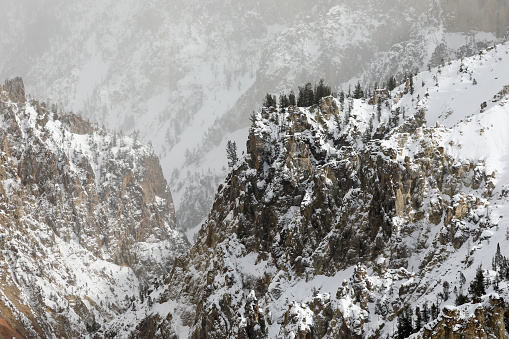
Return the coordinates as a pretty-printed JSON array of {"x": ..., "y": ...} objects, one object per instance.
[
  {"x": 291, "y": 99},
  {"x": 462, "y": 280},
  {"x": 391, "y": 84},
  {"x": 418, "y": 319},
  {"x": 252, "y": 118},
  {"x": 446, "y": 287},
  {"x": 284, "y": 101},
  {"x": 337, "y": 120},
  {"x": 270, "y": 101},
  {"x": 136, "y": 136},
  {"x": 321, "y": 91},
  {"x": 434, "y": 311},
  {"x": 306, "y": 96},
  {"x": 461, "y": 299},
  {"x": 425, "y": 313},
  {"x": 405, "y": 328},
  {"x": 411, "y": 85},
  {"x": 477, "y": 286},
  {"x": 358, "y": 93},
  {"x": 231, "y": 153},
  {"x": 497, "y": 260},
  {"x": 379, "y": 109}
]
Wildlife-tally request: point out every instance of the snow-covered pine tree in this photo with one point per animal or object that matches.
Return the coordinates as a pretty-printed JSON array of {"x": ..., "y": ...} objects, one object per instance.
[{"x": 231, "y": 153}]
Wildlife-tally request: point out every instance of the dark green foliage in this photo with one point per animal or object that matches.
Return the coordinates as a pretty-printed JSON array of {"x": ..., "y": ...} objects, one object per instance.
[
  {"x": 252, "y": 118},
  {"x": 391, "y": 84},
  {"x": 405, "y": 327},
  {"x": 284, "y": 101},
  {"x": 498, "y": 259},
  {"x": 425, "y": 313},
  {"x": 434, "y": 311},
  {"x": 418, "y": 319},
  {"x": 358, "y": 93},
  {"x": 231, "y": 153},
  {"x": 477, "y": 287},
  {"x": 462, "y": 280},
  {"x": 342, "y": 97},
  {"x": 461, "y": 299},
  {"x": 337, "y": 120},
  {"x": 379, "y": 109},
  {"x": 446, "y": 287},
  {"x": 306, "y": 96},
  {"x": 321, "y": 91},
  {"x": 411, "y": 84},
  {"x": 500, "y": 264},
  {"x": 291, "y": 99},
  {"x": 270, "y": 101}
]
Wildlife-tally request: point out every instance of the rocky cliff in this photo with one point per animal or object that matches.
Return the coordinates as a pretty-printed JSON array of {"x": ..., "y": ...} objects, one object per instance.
[
  {"x": 86, "y": 220},
  {"x": 350, "y": 219}
]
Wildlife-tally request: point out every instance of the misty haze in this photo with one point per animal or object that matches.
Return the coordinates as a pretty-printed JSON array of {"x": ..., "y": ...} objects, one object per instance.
[{"x": 254, "y": 169}]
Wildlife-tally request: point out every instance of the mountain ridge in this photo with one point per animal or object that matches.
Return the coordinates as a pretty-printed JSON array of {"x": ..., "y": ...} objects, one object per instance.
[
  {"x": 87, "y": 220},
  {"x": 328, "y": 227}
]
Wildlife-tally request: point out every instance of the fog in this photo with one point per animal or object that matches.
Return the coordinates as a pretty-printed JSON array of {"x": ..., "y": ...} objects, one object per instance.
[{"x": 187, "y": 74}]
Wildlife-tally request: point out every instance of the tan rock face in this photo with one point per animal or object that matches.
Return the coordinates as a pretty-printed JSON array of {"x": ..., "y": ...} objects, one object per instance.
[
  {"x": 304, "y": 210},
  {"x": 486, "y": 322},
  {"x": 65, "y": 183},
  {"x": 14, "y": 90}
]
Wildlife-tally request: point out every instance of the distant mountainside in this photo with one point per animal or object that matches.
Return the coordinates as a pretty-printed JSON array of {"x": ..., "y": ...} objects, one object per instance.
[
  {"x": 368, "y": 217},
  {"x": 187, "y": 74},
  {"x": 87, "y": 221}
]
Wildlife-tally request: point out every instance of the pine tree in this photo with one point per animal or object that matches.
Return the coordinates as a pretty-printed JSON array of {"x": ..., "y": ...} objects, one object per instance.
[
  {"x": 477, "y": 286},
  {"x": 461, "y": 299},
  {"x": 425, "y": 313},
  {"x": 321, "y": 91},
  {"x": 283, "y": 101},
  {"x": 252, "y": 118},
  {"x": 306, "y": 96},
  {"x": 462, "y": 280},
  {"x": 337, "y": 120},
  {"x": 434, "y": 311},
  {"x": 136, "y": 136},
  {"x": 411, "y": 80},
  {"x": 231, "y": 153},
  {"x": 270, "y": 101},
  {"x": 358, "y": 93},
  {"x": 379, "y": 109},
  {"x": 446, "y": 286},
  {"x": 291, "y": 99},
  {"x": 497, "y": 260},
  {"x": 391, "y": 84},
  {"x": 418, "y": 319},
  {"x": 405, "y": 327}
]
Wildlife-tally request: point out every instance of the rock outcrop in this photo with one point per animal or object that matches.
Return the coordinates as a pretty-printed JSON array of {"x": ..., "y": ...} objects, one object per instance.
[
  {"x": 86, "y": 221},
  {"x": 340, "y": 223}
]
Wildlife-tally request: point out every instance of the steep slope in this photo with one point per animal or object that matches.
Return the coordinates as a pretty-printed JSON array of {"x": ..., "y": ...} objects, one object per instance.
[
  {"x": 356, "y": 218},
  {"x": 175, "y": 70},
  {"x": 86, "y": 220}
]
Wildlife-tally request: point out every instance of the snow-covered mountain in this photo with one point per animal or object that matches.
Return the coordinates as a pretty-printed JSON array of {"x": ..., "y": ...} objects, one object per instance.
[
  {"x": 87, "y": 222},
  {"x": 187, "y": 74},
  {"x": 359, "y": 217}
]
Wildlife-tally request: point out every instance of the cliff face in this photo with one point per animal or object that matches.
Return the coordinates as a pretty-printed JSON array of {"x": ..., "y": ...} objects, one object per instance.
[
  {"x": 86, "y": 220},
  {"x": 346, "y": 219}
]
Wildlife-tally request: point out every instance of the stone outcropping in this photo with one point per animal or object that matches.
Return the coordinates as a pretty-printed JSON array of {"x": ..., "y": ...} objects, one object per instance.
[
  {"x": 86, "y": 221},
  {"x": 308, "y": 201}
]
